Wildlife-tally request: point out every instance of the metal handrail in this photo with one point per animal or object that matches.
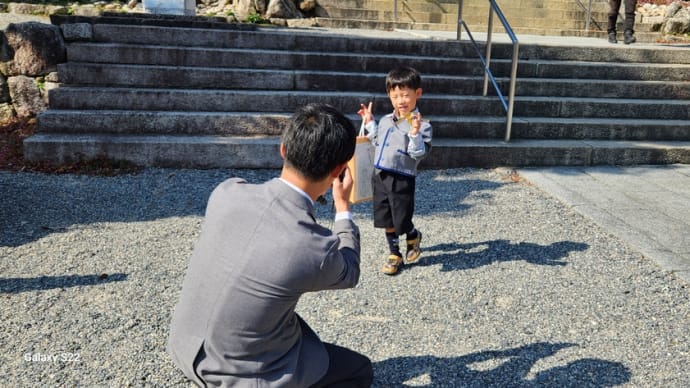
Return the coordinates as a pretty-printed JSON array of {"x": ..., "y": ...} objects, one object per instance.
[
  {"x": 588, "y": 13},
  {"x": 488, "y": 75}
]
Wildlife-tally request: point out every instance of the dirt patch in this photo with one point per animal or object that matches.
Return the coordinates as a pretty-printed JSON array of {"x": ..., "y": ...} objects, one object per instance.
[{"x": 14, "y": 131}]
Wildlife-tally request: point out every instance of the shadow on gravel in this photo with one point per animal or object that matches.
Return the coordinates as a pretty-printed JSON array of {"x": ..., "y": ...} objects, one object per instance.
[
  {"x": 443, "y": 193},
  {"x": 500, "y": 368},
  {"x": 17, "y": 285},
  {"x": 38, "y": 205},
  {"x": 454, "y": 257}
]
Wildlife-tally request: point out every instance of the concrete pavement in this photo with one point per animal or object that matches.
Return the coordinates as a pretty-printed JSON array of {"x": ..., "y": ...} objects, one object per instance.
[
  {"x": 648, "y": 207},
  {"x": 497, "y": 36}
]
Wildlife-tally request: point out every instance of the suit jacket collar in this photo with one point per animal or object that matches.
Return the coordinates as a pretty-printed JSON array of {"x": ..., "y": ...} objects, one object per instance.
[{"x": 289, "y": 193}]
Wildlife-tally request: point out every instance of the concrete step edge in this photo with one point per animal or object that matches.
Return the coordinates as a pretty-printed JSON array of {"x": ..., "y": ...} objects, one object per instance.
[{"x": 228, "y": 152}]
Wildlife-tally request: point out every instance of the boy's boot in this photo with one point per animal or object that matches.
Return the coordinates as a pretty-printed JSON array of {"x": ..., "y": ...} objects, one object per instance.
[
  {"x": 413, "y": 249},
  {"x": 392, "y": 264},
  {"x": 394, "y": 260},
  {"x": 629, "y": 37}
]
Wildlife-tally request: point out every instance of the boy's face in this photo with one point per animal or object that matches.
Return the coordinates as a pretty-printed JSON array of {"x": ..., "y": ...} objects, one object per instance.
[{"x": 404, "y": 100}]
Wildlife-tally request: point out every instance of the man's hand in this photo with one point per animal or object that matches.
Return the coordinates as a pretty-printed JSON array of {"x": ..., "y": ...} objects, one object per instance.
[{"x": 342, "y": 187}]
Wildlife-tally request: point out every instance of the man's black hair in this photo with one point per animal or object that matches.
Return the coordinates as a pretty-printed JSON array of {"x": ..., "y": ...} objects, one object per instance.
[
  {"x": 317, "y": 139},
  {"x": 403, "y": 77}
]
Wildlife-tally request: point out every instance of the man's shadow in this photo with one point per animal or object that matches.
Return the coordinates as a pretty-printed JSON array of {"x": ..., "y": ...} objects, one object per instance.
[
  {"x": 499, "y": 368},
  {"x": 454, "y": 256}
]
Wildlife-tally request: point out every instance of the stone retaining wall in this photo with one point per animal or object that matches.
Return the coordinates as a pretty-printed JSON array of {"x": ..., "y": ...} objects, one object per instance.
[{"x": 29, "y": 55}]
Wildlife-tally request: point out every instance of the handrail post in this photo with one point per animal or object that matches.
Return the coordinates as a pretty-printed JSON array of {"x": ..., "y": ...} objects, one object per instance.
[
  {"x": 488, "y": 52},
  {"x": 459, "y": 32},
  {"x": 511, "y": 92},
  {"x": 589, "y": 15},
  {"x": 395, "y": 11}
]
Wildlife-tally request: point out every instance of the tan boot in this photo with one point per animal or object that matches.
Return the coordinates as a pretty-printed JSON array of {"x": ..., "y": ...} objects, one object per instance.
[
  {"x": 413, "y": 249},
  {"x": 392, "y": 265}
]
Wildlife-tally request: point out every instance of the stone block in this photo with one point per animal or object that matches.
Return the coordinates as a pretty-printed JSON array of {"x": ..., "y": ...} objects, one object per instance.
[
  {"x": 170, "y": 7},
  {"x": 26, "y": 97},
  {"x": 36, "y": 48},
  {"x": 77, "y": 31}
]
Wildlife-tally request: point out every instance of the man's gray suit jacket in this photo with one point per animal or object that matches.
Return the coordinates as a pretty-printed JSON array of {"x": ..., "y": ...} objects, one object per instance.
[{"x": 259, "y": 250}]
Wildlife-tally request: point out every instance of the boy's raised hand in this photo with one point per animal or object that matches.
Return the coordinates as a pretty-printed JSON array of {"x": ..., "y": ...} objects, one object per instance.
[{"x": 365, "y": 113}]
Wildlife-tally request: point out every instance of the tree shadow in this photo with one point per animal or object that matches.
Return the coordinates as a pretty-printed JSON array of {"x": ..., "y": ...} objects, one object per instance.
[
  {"x": 17, "y": 285},
  {"x": 499, "y": 368},
  {"x": 39, "y": 205},
  {"x": 443, "y": 192},
  {"x": 454, "y": 256}
]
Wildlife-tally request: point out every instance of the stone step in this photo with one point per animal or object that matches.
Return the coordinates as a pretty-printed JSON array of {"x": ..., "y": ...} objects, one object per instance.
[
  {"x": 644, "y": 32},
  {"x": 473, "y": 16},
  {"x": 534, "y": 79},
  {"x": 92, "y": 59},
  {"x": 314, "y": 40},
  {"x": 451, "y": 6},
  {"x": 72, "y": 98},
  {"x": 138, "y": 122},
  {"x": 262, "y": 152}
]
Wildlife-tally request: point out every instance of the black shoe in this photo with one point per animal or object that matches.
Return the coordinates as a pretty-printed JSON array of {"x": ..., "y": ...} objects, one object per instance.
[
  {"x": 612, "y": 38},
  {"x": 628, "y": 37}
]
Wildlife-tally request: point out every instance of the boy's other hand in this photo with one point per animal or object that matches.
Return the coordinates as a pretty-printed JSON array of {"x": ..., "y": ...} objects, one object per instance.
[{"x": 415, "y": 123}]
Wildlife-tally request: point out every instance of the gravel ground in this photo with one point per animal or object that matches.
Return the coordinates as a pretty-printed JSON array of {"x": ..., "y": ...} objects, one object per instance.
[{"x": 514, "y": 288}]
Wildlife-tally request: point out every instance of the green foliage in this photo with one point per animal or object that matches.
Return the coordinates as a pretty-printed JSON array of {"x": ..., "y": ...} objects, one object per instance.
[
  {"x": 230, "y": 16},
  {"x": 255, "y": 18},
  {"x": 40, "y": 84}
]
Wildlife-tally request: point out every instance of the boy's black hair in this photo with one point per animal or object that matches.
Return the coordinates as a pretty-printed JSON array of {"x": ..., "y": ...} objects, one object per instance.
[
  {"x": 403, "y": 77},
  {"x": 317, "y": 139}
]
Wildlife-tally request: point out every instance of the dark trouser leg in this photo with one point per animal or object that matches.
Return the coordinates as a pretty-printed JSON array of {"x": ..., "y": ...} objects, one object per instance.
[
  {"x": 614, "y": 6},
  {"x": 630, "y": 6},
  {"x": 346, "y": 369}
]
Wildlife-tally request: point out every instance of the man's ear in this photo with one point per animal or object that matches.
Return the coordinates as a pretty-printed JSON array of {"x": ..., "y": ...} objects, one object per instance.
[
  {"x": 338, "y": 170},
  {"x": 282, "y": 150}
]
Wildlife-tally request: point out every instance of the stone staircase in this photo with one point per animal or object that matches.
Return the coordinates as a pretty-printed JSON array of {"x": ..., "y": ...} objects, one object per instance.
[
  {"x": 531, "y": 17},
  {"x": 194, "y": 92}
]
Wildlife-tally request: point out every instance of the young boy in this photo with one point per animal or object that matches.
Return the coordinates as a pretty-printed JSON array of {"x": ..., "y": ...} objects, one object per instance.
[{"x": 401, "y": 140}]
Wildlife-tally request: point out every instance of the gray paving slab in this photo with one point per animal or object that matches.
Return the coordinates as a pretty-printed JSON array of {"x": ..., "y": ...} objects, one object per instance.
[{"x": 646, "y": 206}]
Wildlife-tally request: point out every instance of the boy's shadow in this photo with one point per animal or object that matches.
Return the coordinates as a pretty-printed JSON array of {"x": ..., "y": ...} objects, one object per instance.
[
  {"x": 501, "y": 368},
  {"x": 454, "y": 256}
]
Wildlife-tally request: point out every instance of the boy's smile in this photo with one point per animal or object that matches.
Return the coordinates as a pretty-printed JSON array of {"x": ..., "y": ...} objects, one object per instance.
[{"x": 404, "y": 100}]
